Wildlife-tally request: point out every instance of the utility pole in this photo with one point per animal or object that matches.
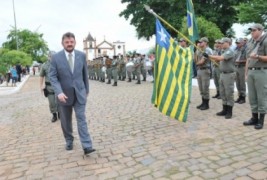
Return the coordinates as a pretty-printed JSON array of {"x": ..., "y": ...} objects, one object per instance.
[{"x": 16, "y": 36}]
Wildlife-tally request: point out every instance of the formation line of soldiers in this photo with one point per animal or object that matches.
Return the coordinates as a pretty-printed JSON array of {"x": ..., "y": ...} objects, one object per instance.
[
  {"x": 118, "y": 67},
  {"x": 247, "y": 62}
]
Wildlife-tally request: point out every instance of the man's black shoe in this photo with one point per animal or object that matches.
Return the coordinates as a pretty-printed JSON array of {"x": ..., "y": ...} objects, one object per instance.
[
  {"x": 54, "y": 118},
  {"x": 87, "y": 151},
  {"x": 69, "y": 147}
]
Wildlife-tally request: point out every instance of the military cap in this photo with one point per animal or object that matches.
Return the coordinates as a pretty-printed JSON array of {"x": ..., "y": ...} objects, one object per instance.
[
  {"x": 181, "y": 39},
  {"x": 217, "y": 41},
  {"x": 256, "y": 26},
  {"x": 226, "y": 39},
  {"x": 204, "y": 39},
  {"x": 239, "y": 40}
]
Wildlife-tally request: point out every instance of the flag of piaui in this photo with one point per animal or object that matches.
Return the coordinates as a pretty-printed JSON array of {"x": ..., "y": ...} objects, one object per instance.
[{"x": 172, "y": 76}]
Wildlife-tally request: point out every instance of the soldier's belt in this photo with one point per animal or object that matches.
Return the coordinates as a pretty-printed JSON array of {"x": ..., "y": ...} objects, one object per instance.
[
  {"x": 202, "y": 68},
  {"x": 240, "y": 65},
  {"x": 223, "y": 72},
  {"x": 257, "y": 68}
]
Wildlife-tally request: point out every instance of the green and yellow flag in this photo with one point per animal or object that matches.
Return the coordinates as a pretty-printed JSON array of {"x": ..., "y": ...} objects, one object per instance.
[
  {"x": 172, "y": 76},
  {"x": 191, "y": 21}
]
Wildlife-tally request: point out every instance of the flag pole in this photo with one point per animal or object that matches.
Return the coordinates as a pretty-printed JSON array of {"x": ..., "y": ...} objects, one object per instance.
[{"x": 178, "y": 32}]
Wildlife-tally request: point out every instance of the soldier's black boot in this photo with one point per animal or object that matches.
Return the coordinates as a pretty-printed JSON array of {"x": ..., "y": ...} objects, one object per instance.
[
  {"x": 202, "y": 103},
  {"x": 260, "y": 123},
  {"x": 114, "y": 84},
  {"x": 103, "y": 79},
  {"x": 223, "y": 112},
  {"x": 229, "y": 112},
  {"x": 205, "y": 105},
  {"x": 252, "y": 121},
  {"x": 109, "y": 82},
  {"x": 242, "y": 100},
  {"x": 238, "y": 99},
  {"x": 129, "y": 80},
  {"x": 54, "y": 118},
  {"x": 144, "y": 79},
  {"x": 216, "y": 95},
  {"x": 119, "y": 78},
  {"x": 138, "y": 82}
]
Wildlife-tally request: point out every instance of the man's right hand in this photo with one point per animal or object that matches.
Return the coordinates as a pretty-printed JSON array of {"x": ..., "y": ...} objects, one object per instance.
[
  {"x": 62, "y": 97},
  {"x": 205, "y": 55}
]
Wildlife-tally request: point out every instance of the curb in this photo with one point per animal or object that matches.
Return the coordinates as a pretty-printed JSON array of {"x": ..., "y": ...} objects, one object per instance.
[{"x": 16, "y": 89}]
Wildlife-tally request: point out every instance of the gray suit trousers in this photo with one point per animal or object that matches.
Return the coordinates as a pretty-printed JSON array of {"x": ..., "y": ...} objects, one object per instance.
[{"x": 66, "y": 124}]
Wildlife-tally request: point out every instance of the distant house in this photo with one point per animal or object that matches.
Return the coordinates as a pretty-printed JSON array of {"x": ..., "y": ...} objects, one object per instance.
[{"x": 104, "y": 48}]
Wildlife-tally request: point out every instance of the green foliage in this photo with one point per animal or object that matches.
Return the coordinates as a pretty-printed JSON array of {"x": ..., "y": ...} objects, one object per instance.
[
  {"x": 29, "y": 42},
  {"x": 205, "y": 29},
  {"x": 220, "y": 12},
  {"x": 253, "y": 12},
  {"x": 10, "y": 58}
]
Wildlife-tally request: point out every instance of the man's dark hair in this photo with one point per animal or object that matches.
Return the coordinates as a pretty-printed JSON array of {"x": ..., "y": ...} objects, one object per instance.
[{"x": 68, "y": 35}]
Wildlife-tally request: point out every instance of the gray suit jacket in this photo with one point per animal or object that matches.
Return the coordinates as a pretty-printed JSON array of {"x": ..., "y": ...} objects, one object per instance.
[{"x": 64, "y": 81}]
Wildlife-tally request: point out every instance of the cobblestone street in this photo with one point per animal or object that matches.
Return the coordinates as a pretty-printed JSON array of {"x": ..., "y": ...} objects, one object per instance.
[{"x": 133, "y": 140}]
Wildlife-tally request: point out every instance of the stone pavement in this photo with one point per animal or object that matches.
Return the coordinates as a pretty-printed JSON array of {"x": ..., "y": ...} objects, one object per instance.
[{"x": 132, "y": 138}]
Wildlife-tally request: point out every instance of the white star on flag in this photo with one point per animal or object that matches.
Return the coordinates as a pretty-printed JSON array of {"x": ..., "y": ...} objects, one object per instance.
[{"x": 162, "y": 35}]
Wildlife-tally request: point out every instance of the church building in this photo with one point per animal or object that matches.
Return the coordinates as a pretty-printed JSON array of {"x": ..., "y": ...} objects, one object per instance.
[{"x": 93, "y": 49}]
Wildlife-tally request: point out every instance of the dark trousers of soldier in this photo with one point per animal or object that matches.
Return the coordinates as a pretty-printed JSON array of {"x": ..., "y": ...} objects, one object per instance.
[
  {"x": 93, "y": 74},
  {"x": 203, "y": 79},
  {"x": 143, "y": 72},
  {"x": 138, "y": 73},
  {"x": 53, "y": 107},
  {"x": 115, "y": 74},
  {"x": 102, "y": 76},
  {"x": 98, "y": 73},
  {"x": 216, "y": 77},
  {"x": 123, "y": 72},
  {"x": 227, "y": 85},
  {"x": 129, "y": 75},
  {"x": 257, "y": 90},
  {"x": 240, "y": 81},
  {"x": 109, "y": 74}
]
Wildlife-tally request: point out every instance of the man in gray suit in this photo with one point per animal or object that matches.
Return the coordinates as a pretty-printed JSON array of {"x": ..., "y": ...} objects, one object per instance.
[{"x": 69, "y": 78}]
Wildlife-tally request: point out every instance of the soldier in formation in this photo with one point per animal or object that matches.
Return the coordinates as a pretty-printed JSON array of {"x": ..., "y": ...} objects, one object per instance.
[{"x": 203, "y": 72}]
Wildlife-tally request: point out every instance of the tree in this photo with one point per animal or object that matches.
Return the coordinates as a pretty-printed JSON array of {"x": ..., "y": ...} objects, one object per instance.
[
  {"x": 12, "y": 57},
  {"x": 220, "y": 12},
  {"x": 29, "y": 42},
  {"x": 205, "y": 29},
  {"x": 253, "y": 12}
]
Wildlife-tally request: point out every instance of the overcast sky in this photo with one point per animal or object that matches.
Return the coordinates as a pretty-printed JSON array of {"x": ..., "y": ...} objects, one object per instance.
[{"x": 55, "y": 17}]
